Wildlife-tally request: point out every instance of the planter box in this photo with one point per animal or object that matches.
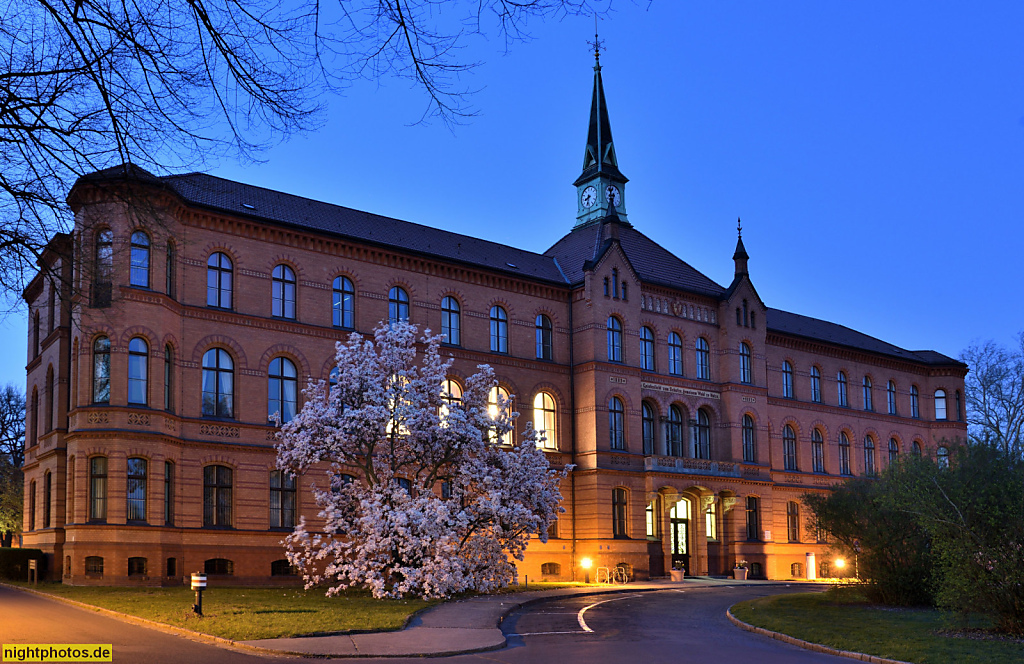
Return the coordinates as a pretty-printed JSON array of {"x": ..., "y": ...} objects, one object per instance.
[
  {"x": 678, "y": 574},
  {"x": 740, "y": 574}
]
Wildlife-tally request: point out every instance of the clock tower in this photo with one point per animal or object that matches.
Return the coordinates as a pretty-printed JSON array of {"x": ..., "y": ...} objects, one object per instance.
[{"x": 601, "y": 186}]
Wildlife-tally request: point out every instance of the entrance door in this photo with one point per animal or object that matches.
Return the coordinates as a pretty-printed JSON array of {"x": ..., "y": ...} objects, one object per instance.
[{"x": 679, "y": 523}]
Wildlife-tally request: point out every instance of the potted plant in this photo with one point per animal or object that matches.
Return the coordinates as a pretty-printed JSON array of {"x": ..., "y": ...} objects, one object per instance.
[
  {"x": 739, "y": 572},
  {"x": 678, "y": 572}
]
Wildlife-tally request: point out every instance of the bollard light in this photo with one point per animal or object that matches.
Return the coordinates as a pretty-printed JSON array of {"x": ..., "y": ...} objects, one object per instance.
[
  {"x": 586, "y": 564},
  {"x": 198, "y": 585}
]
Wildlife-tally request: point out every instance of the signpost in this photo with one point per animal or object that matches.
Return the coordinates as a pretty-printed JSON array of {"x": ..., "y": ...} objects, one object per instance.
[{"x": 198, "y": 583}]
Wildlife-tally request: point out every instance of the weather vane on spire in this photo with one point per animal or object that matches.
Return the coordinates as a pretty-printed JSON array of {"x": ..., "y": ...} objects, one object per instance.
[
  {"x": 739, "y": 227},
  {"x": 597, "y": 44}
]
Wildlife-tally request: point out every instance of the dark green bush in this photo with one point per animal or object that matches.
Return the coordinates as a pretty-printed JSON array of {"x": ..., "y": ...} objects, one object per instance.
[{"x": 14, "y": 563}]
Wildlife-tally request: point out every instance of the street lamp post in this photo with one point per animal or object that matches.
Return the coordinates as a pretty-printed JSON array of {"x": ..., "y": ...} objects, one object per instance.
[{"x": 586, "y": 563}]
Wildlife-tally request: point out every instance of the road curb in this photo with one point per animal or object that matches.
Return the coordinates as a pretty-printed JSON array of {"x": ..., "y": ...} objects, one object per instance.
[{"x": 807, "y": 645}]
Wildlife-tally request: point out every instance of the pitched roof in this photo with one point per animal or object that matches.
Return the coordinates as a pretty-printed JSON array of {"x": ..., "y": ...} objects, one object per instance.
[
  {"x": 211, "y": 192},
  {"x": 653, "y": 263},
  {"x": 784, "y": 322}
]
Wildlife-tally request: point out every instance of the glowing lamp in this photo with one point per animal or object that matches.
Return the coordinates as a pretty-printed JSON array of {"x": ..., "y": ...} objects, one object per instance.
[
  {"x": 840, "y": 563},
  {"x": 586, "y": 563}
]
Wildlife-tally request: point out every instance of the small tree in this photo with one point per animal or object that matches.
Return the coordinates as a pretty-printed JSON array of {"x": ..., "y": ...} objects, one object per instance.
[
  {"x": 893, "y": 551},
  {"x": 12, "y": 456},
  {"x": 973, "y": 511},
  {"x": 422, "y": 497}
]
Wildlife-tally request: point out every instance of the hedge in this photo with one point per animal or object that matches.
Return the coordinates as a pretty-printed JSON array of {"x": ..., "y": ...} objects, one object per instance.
[{"x": 14, "y": 563}]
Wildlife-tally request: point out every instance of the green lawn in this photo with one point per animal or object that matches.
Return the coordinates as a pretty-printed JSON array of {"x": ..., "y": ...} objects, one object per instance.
[
  {"x": 249, "y": 613},
  {"x": 843, "y": 619},
  {"x": 244, "y": 614}
]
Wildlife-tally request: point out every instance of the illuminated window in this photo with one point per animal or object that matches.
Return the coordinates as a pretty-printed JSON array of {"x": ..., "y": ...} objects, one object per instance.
[
  {"x": 544, "y": 420},
  {"x": 138, "y": 371},
  {"x": 101, "y": 370},
  {"x": 940, "y": 404},
  {"x": 496, "y": 394}
]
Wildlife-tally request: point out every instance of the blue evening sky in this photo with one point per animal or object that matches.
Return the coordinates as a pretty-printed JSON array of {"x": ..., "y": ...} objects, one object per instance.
[{"x": 874, "y": 150}]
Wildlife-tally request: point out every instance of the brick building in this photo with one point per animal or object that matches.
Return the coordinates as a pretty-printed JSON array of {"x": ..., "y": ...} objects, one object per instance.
[{"x": 696, "y": 416}]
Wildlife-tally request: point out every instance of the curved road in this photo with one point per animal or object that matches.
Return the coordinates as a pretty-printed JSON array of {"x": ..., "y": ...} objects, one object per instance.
[{"x": 664, "y": 626}]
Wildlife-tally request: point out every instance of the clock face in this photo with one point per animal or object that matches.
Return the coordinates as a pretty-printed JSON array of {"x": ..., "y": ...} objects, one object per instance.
[
  {"x": 589, "y": 197},
  {"x": 613, "y": 194}
]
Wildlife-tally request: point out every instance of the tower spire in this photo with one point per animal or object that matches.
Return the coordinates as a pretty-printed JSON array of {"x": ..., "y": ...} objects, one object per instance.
[
  {"x": 601, "y": 185},
  {"x": 740, "y": 255}
]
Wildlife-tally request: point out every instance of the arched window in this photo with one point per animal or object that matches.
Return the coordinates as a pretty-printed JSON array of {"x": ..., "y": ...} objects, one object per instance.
[
  {"x": 959, "y": 408},
  {"x": 789, "y": 448},
  {"x": 101, "y": 370},
  {"x": 702, "y": 436},
  {"x": 894, "y": 450},
  {"x": 619, "y": 503},
  {"x": 98, "y": 488},
  {"x": 283, "y": 292},
  {"x": 815, "y": 385},
  {"x": 703, "y": 359},
  {"x": 140, "y": 260},
  {"x": 282, "y": 390},
  {"x": 844, "y": 454},
  {"x": 647, "y": 421},
  {"x": 94, "y": 566},
  {"x": 398, "y": 305},
  {"x": 916, "y": 449},
  {"x": 34, "y": 418},
  {"x": 51, "y": 310},
  {"x": 451, "y": 321},
  {"x": 451, "y": 394},
  {"x": 343, "y": 307},
  {"x": 219, "y": 271},
  {"x": 749, "y": 440},
  {"x": 219, "y": 567},
  {"x": 544, "y": 420},
  {"x": 217, "y": 482},
  {"x": 646, "y": 349},
  {"x": 168, "y": 378},
  {"x": 869, "y": 456},
  {"x": 138, "y": 371},
  {"x": 218, "y": 383},
  {"x": 499, "y": 393},
  {"x": 614, "y": 339},
  {"x": 841, "y": 392},
  {"x": 674, "y": 432},
  {"x": 169, "y": 494},
  {"x": 890, "y": 394},
  {"x": 171, "y": 277},
  {"x": 915, "y": 402},
  {"x": 793, "y": 521},
  {"x": 136, "y": 489},
  {"x": 47, "y": 498},
  {"x": 817, "y": 451},
  {"x": 282, "y": 499},
  {"x": 499, "y": 330},
  {"x": 137, "y": 566},
  {"x": 787, "y": 379},
  {"x": 675, "y": 354},
  {"x": 869, "y": 403},
  {"x": 753, "y": 519},
  {"x": 544, "y": 338},
  {"x": 616, "y": 424},
  {"x": 104, "y": 268},
  {"x": 35, "y": 335},
  {"x": 32, "y": 505},
  {"x": 942, "y": 457},
  {"x": 48, "y": 391},
  {"x": 746, "y": 373},
  {"x": 654, "y": 514},
  {"x": 940, "y": 404}
]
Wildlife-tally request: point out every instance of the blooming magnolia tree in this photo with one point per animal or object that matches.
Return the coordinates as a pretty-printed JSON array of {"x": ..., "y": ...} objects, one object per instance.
[{"x": 422, "y": 498}]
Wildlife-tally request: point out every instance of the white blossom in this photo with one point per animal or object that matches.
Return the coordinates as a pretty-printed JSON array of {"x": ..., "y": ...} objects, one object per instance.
[{"x": 386, "y": 421}]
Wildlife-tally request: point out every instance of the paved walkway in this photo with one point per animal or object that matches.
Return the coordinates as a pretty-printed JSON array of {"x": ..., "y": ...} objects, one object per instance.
[{"x": 463, "y": 626}]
